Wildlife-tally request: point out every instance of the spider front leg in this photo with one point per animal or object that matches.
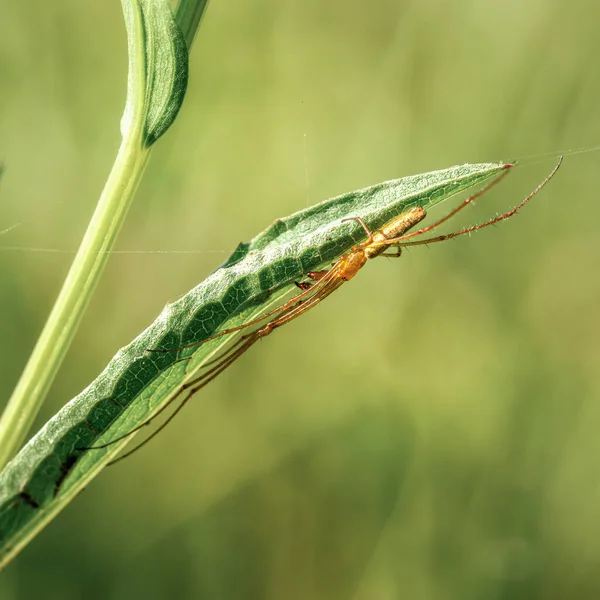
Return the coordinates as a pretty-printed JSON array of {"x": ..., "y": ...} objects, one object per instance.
[{"x": 363, "y": 225}]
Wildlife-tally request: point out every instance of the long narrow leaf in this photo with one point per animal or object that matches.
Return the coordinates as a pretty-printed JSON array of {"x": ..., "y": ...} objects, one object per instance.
[{"x": 55, "y": 465}]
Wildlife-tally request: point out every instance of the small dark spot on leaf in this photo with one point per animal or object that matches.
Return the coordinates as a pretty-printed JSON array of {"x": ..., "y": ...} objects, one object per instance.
[{"x": 28, "y": 499}]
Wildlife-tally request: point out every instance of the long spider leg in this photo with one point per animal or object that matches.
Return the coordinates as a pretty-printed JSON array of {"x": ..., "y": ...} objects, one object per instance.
[
  {"x": 207, "y": 377},
  {"x": 204, "y": 381},
  {"x": 274, "y": 321},
  {"x": 258, "y": 320},
  {"x": 243, "y": 339},
  {"x": 399, "y": 242},
  {"x": 283, "y": 313},
  {"x": 462, "y": 205},
  {"x": 221, "y": 356},
  {"x": 301, "y": 308},
  {"x": 225, "y": 359},
  {"x": 204, "y": 375},
  {"x": 360, "y": 221},
  {"x": 198, "y": 383}
]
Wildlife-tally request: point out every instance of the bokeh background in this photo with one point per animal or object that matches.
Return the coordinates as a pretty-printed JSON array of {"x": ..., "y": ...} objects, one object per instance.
[{"x": 432, "y": 430}]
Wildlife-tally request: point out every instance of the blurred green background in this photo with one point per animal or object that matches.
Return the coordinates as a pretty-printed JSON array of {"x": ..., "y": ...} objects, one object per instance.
[{"x": 431, "y": 431}]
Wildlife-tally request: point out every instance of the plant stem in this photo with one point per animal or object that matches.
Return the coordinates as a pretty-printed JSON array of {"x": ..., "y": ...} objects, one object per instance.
[
  {"x": 73, "y": 298},
  {"x": 84, "y": 274},
  {"x": 188, "y": 15}
]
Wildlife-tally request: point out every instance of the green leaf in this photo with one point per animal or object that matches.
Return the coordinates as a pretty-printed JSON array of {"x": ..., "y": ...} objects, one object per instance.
[
  {"x": 158, "y": 68},
  {"x": 55, "y": 465}
]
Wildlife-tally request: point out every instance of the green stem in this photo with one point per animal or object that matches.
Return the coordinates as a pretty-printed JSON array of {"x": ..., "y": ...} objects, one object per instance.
[
  {"x": 85, "y": 272},
  {"x": 73, "y": 298},
  {"x": 188, "y": 15}
]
